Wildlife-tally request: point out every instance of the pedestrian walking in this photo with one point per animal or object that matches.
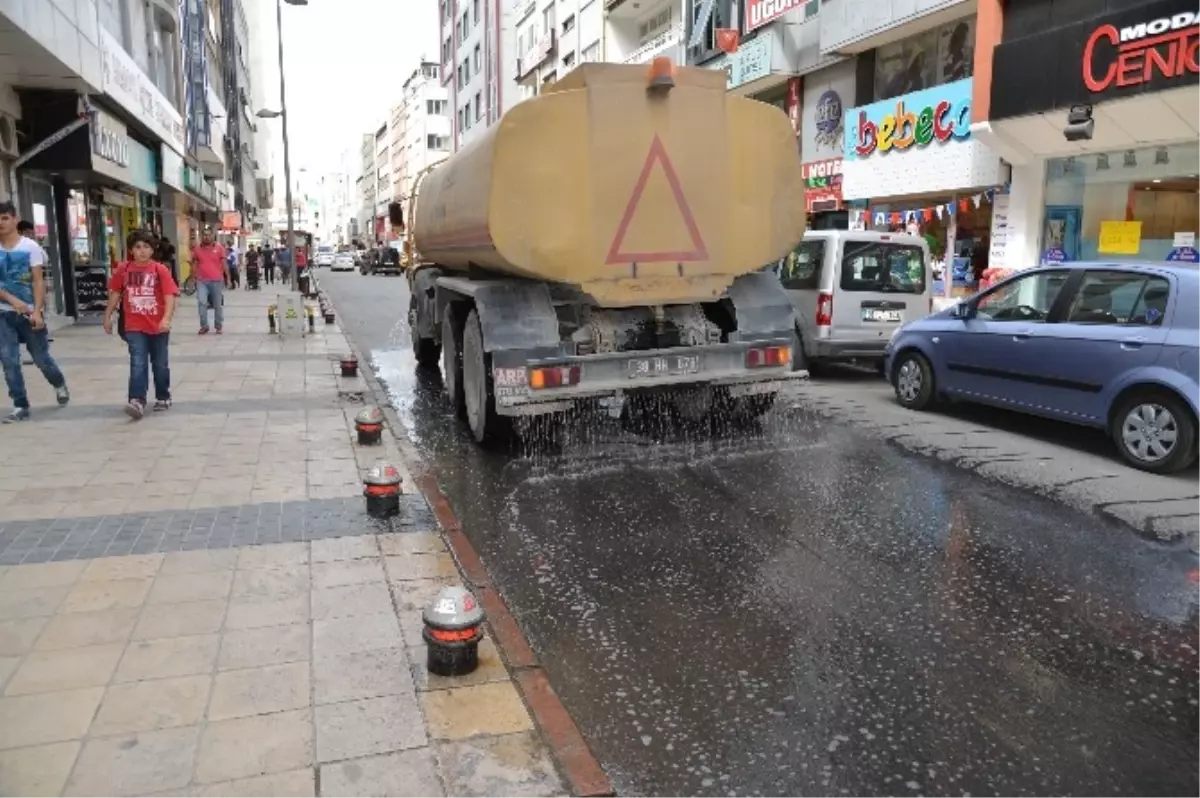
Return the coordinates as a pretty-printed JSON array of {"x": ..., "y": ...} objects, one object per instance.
[
  {"x": 209, "y": 265},
  {"x": 146, "y": 293},
  {"x": 233, "y": 274},
  {"x": 22, "y": 305},
  {"x": 284, "y": 258},
  {"x": 268, "y": 259}
]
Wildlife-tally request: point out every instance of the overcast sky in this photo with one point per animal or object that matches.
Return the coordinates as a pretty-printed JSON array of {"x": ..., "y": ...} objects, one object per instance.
[{"x": 345, "y": 62}]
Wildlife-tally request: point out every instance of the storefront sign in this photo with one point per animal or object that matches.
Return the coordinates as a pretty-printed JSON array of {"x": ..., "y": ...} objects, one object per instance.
[
  {"x": 827, "y": 95},
  {"x": 823, "y": 185},
  {"x": 1136, "y": 54},
  {"x": 932, "y": 116},
  {"x": 118, "y": 199},
  {"x": 751, "y": 62},
  {"x": 760, "y": 12},
  {"x": 125, "y": 82},
  {"x": 143, "y": 168},
  {"x": 1149, "y": 47},
  {"x": 1001, "y": 227},
  {"x": 231, "y": 221},
  {"x": 110, "y": 142},
  {"x": 1120, "y": 238},
  {"x": 172, "y": 168}
]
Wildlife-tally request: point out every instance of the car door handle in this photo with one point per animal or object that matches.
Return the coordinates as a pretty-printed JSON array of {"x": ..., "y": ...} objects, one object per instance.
[
  {"x": 1133, "y": 343},
  {"x": 1021, "y": 337}
]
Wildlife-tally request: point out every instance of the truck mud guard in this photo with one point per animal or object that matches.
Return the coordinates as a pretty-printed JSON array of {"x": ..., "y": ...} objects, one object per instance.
[
  {"x": 424, "y": 295},
  {"x": 762, "y": 306},
  {"x": 514, "y": 314}
]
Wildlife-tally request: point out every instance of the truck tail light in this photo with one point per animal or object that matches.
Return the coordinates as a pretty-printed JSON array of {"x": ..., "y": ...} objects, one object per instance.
[
  {"x": 553, "y": 377},
  {"x": 824, "y": 309},
  {"x": 768, "y": 356}
]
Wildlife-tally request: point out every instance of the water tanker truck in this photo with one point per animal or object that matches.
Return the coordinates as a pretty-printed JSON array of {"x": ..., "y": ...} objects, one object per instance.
[{"x": 603, "y": 242}]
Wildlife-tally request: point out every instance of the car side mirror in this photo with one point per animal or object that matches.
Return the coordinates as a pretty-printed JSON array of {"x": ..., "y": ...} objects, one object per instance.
[{"x": 962, "y": 311}]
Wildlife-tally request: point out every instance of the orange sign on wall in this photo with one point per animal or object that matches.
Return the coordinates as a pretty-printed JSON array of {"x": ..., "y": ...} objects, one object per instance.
[{"x": 231, "y": 221}]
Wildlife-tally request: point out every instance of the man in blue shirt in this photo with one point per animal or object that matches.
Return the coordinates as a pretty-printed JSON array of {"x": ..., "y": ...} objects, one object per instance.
[{"x": 22, "y": 303}]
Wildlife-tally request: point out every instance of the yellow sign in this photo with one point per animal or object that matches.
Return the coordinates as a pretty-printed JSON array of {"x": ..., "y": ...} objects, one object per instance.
[
  {"x": 1120, "y": 238},
  {"x": 131, "y": 219}
]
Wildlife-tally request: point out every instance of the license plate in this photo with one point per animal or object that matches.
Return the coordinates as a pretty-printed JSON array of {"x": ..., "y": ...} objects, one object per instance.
[
  {"x": 875, "y": 314},
  {"x": 663, "y": 366}
]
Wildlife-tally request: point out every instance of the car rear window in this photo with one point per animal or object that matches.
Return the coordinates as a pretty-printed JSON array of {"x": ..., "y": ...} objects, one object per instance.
[
  {"x": 883, "y": 268},
  {"x": 801, "y": 270}
]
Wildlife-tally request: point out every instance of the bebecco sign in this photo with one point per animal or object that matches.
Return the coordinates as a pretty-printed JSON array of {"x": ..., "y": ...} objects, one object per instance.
[{"x": 1135, "y": 54}]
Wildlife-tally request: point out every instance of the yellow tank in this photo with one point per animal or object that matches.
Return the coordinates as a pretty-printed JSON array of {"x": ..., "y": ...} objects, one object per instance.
[{"x": 636, "y": 195}]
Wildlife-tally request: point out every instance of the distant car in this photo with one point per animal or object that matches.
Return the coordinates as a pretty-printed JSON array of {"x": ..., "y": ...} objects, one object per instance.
[
  {"x": 342, "y": 262},
  {"x": 851, "y": 289},
  {"x": 324, "y": 256},
  {"x": 1107, "y": 345}
]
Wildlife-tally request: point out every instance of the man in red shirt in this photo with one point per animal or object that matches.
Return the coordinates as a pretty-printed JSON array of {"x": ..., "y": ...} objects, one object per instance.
[
  {"x": 147, "y": 295},
  {"x": 208, "y": 261}
]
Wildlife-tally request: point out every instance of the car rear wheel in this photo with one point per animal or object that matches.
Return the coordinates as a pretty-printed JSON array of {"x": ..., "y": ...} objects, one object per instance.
[
  {"x": 913, "y": 381},
  {"x": 1154, "y": 431}
]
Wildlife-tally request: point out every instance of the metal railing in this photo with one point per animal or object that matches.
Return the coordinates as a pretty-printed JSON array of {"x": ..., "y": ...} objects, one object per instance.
[{"x": 671, "y": 36}]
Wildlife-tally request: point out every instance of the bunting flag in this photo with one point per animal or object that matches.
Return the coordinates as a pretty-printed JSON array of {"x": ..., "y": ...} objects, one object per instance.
[{"x": 882, "y": 218}]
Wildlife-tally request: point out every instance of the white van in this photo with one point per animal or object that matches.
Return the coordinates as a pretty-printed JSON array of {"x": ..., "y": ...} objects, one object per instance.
[{"x": 851, "y": 289}]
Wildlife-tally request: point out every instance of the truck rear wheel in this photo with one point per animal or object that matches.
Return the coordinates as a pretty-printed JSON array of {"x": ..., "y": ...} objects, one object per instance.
[
  {"x": 479, "y": 396},
  {"x": 425, "y": 350},
  {"x": 452, "y": 361}
]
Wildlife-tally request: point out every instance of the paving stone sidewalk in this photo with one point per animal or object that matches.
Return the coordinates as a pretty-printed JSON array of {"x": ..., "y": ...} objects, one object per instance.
[{"x": 196, "y": 603}]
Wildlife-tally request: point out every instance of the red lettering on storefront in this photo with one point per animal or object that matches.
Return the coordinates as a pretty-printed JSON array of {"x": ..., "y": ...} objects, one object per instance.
[
  {"x": 1139, "y": 60},
  {"x": 942, "y": 132}
]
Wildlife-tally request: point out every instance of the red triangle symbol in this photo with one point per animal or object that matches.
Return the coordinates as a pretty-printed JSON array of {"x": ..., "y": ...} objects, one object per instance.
[{"x": 658, "y": 153}]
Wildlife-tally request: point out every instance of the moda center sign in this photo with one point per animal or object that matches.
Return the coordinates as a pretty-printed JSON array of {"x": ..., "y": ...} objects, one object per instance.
[
  {"x": 1135, "y": 54},
  {"x": 1149, "y": 47}
]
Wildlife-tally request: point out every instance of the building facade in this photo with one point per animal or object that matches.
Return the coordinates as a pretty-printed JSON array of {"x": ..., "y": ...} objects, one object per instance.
[
  {"x": 552, "y": 38},
  {"x": 420, "y": 128},
  {"x": 477, "y": 39},
  {"x": 637, "y": 32}
]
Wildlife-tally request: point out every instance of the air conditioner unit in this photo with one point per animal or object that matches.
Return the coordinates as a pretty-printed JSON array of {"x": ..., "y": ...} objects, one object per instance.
[{"x": 8, "y": 136}]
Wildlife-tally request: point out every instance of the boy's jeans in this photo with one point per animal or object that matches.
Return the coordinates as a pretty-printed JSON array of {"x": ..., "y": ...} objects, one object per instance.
[
  {"x": 15, "y": 330},
  {"x": 210, "y": 291},
  {"x": 149, "y": 350}
]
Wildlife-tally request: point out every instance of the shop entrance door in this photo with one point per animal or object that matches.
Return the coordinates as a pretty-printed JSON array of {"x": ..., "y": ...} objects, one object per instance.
[{"x": 38, "y": 207}]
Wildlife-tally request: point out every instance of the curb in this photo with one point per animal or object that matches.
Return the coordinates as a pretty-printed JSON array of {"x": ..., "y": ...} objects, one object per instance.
[{"x": 576, "y": 763}]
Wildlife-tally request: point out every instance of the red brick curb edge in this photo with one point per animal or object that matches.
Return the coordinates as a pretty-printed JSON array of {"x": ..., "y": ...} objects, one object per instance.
[{"x": 575, "y": 761}]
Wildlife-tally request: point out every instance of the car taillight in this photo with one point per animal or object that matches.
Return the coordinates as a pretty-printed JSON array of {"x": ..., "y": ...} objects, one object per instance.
[
  {"x": 553, "y": 377},
  {"x": 768, "y": 356},
  {"x": 824, "y": 309}
]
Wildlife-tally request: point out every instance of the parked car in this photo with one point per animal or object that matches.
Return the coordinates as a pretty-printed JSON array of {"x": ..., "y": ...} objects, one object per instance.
[
  {"x": 851, "y": 289},
  {"x": 1107, "y": 345},
  {"x": 323, "y": 256},
  {"x": 342, "y": 262}
]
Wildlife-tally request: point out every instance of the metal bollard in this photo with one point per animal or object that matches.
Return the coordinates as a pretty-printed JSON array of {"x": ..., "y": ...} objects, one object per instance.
[
  {"x": 271, "y": 319},
  {"x": 381, "y": 486},
  {"x": 369, "y": 425},
  {"x": 453, "y": 629},
  {"x": 349, "y": 363}
]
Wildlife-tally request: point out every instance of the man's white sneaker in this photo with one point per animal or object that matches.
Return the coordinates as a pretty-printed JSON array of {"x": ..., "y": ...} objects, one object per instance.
[
  {"x": 17, "y": 414},
  {"x": 63, "y": 395}
]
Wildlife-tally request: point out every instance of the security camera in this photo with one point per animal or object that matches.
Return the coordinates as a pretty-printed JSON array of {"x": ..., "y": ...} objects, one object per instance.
[{"x": 1080, "y": 124}]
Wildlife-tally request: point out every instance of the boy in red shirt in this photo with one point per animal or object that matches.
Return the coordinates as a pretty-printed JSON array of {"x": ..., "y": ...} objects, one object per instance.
[{"x": 147, "y": 294}]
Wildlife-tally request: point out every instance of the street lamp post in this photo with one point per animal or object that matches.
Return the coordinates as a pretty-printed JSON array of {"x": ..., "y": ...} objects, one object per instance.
[{"x": 287, "y": 163}]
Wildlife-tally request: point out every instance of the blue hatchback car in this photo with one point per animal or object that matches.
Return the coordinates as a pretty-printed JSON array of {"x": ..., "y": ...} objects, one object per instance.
[{"x": 1108, "y": 345}]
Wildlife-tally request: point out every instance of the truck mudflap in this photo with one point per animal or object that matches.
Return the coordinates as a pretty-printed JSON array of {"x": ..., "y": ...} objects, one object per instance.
[{"x": 524, "y": 386}]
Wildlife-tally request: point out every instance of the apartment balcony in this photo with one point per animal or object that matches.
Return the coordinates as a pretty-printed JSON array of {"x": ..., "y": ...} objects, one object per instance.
[{"x": 670, "y": 38}]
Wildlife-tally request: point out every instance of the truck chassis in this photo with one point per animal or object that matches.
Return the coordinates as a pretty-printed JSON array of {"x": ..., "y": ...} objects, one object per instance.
[{"x": 511, "y": 348}]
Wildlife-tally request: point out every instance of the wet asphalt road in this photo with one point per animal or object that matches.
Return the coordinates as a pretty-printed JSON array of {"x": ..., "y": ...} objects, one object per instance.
[{"x": 796, "y": 609}]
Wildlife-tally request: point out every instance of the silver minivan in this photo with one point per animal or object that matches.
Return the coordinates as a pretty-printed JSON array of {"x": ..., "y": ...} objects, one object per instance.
[{"x": 851, "y": 289}]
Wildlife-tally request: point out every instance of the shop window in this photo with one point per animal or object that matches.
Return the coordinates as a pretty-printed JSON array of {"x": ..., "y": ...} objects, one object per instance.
[
  {"x": 1131, "y": 205},
  {"x": 1026, "y": 299},
  {"x": 801, "y": 270},
  {"x": 1109, "y": 297},
  {"x": 884, "y": 268},
  {"x": 930, "y": 58}
]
